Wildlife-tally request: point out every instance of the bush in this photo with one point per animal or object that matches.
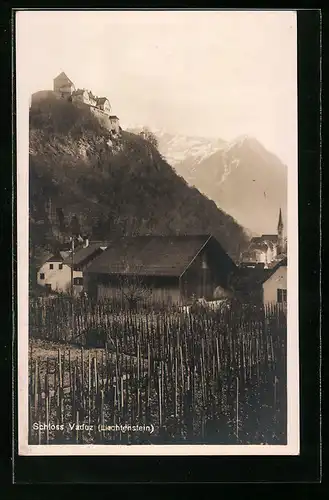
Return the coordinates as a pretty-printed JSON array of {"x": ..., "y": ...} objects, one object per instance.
[{"x": 96, "y": 336}]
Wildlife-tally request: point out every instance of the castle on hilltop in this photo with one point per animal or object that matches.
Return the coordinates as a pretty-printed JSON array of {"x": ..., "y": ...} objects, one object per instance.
[{"x": 64, "y": 88}]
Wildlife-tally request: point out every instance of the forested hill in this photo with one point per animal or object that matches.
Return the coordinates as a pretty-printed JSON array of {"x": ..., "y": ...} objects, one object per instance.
[{"x": 114, "y": 186}]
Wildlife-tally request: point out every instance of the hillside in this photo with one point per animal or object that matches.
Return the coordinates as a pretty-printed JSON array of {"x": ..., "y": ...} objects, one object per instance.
[
  {"x": 241, "y": 176},
  {"x": 119, "y": 186}
]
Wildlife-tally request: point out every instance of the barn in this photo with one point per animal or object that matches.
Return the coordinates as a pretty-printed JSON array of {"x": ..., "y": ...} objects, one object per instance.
[{"x": 167, "y": 269}]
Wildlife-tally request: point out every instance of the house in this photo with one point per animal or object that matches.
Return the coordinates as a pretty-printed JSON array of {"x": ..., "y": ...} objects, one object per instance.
[
  {"x": 103, "y": 104},
  {"x": 170, "y": 269},
  {"x": 80, "y": 95},
  {"x": 84, "y": 96},
  {"x": 92, "y": 99},
  {"x": 267, "y": 248},
  {"x": 114, "y": 124},
  {"x": 274, "y": 285},
  {"x": 55, "y": 274},
  {"x": 257, "y": 284},
  {"x": 63, "y": 85},
  {"x": 52, "y": 274}
]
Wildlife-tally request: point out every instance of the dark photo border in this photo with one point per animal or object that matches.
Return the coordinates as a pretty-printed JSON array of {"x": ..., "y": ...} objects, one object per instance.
[{"x": 304, "y": 468}]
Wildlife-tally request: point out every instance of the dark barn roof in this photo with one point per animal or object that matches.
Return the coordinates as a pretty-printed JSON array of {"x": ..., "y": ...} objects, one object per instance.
[
  {"x": 273, "y": 238},
  {"x": 151, "y": 255},
  {"x": 83, "y": 254}
]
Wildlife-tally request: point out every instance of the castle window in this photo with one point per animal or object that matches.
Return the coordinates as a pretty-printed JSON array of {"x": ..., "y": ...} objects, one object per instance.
[
  {"x": 78, "y": 281},
  {"x": 51, "y": 266},
  {"x": 281, "y": 295},
  {"x": 60, "y": 266},
  {"x": 42, "y": 276}
]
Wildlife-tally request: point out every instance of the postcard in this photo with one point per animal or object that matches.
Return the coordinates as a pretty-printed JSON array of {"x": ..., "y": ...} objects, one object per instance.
[{"x": 157, "y": 189}]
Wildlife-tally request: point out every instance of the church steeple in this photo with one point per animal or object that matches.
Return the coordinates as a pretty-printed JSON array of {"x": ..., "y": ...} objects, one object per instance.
[
  {"x": 280, "y": 223},
  {"x": 280, "y": 234}
]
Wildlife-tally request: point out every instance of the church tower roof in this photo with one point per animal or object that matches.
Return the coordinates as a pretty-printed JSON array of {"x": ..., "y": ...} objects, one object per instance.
[{"x": 280, "y": 223}]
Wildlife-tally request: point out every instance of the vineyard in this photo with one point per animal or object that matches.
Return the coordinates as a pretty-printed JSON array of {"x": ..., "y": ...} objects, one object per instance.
[{"x": 207, "y": 377}]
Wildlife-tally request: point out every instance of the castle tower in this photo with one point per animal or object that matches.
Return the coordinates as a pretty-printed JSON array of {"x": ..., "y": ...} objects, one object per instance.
[
  {"x": 280, "y": 234},
  {"x": 63, "y": 86}
]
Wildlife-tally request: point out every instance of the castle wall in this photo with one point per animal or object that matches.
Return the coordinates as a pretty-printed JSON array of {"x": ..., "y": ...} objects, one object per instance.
[
  {"x": 42, "y": 95},
  {"x": 102, "y": 117}
]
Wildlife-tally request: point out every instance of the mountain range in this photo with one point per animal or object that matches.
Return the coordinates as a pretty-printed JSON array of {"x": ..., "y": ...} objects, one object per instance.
[{"x": 243, "y": 178}]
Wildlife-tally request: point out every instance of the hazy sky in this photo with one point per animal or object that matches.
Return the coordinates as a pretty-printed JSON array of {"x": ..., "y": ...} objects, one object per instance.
[{"x": 213, "y": 74}]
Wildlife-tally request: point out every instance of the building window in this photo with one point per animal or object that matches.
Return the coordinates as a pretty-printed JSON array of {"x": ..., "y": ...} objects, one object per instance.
[
  {"x": 60, "y": 266},
  {"x": 51, "y": 266},
  {"x": 78, "y": 281},
  {"x": 281, "y": 295},
  {"x": 42, "y": 276}
]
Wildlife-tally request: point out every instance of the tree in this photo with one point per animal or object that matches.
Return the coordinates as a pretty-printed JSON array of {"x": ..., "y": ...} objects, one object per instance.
[
  {"x": 75, "y": 226},
  {"x": 132, "y": 286},
  {"x": 150, "y": 137}
]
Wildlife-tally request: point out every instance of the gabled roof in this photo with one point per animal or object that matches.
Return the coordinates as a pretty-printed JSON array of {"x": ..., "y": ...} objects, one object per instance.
[
  {"x": 101, "y": 100},
  {"x": 51, "y": 258},
  {"x": 273, "y": 238},
  {"x": 83, "y": 255},
  {"x": 114, "y": 117},
  {"x": 150, "y": 255},
  {"x": 78, "y": 92},
  {"x": 55, "y": 258},
  {"x": 272, "y": 270},
  {"x": 63, "y": 76}
]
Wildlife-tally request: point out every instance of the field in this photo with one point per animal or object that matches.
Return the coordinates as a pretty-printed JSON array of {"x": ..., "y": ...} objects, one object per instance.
[{"x": 216, "y": 377}]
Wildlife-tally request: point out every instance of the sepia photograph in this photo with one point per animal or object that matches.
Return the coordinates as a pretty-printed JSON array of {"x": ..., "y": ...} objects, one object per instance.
[{"x": 157, "y": 211}]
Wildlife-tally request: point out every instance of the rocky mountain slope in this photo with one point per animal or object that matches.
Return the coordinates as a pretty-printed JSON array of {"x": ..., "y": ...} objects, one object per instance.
[
  {"x": 114, "y": 185},
  {"x": 242, "y": 177}
]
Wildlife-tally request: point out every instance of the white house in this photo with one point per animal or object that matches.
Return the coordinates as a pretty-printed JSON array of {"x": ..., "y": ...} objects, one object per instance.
[
  {"x": 104, "y": 104},
  {"x": 114, "y": 124},
  {"x": 85, "y": 96},
  {"x": 268, "y": 248},
  {"x": 55, "y": 273},
  {"x": 275, "y": 284}
]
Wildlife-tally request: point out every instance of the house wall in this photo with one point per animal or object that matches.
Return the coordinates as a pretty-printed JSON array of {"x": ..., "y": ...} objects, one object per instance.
[
  {"x": 161, "y": 289},
  {"x": 42, "y": 95},
  {"x": 198, "y": 279},
  {"x": 106, "y": 107},
  {"x": 259, "y": 255},
  {"x": 81, "y": 98},
  {"x": 163, "y": 294},
  {"x": 270, "y": 287},
  {"x": 58, "y": 279},
  {"x": 205, "y": 275},
  {"x": 115, "y": 126},
  {"x": 65, "y": 89}
]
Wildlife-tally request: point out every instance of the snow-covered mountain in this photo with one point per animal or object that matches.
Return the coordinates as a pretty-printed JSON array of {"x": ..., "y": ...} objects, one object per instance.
[{"x": 242, "y": 177}]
